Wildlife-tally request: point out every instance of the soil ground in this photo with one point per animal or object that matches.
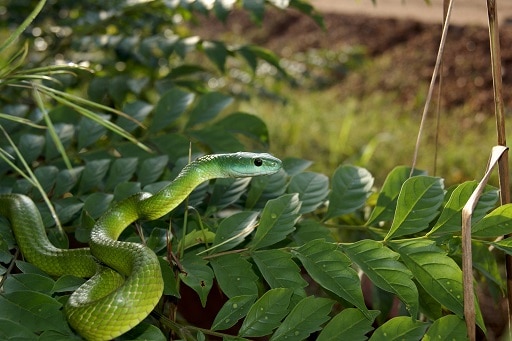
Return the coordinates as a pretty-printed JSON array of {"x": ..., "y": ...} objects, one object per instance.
[{"x": 406, "y": 48}]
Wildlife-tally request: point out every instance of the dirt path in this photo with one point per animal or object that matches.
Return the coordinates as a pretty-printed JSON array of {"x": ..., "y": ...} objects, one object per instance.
[{"x": 465, "y": 12}]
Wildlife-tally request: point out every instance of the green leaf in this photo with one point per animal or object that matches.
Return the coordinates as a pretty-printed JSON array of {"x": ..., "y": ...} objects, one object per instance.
[
  {"x": 351, "y": 324},
  {"x": 217, "y": 140},
  {"x": 65, "y": 133},
  {"x": 28, "y": 281},
  {"x": 450, "y": 219},
  {"x": 495, "y": 224},
  {"x": 277, "y": 221},
  {"x": 417, "y": 205},
  {"x": 437, "y": 273},
  {"x": 97, "y": 203},
  {"x": 145, "y": 331},
  {"x": 198, "y": 276},
  {"x": 151, "y": 169},
  {"x": 67, "y": 283},
  {"x": 93, "y": 174},
  {"x": 266, "y": 314},
  {"x": 400, "y": 328},
  {"x": 169, "y": 108},
  {"x": 447, "y": 328},
  {"x": 256, "y": 8},
  {"x": 10, "y": 330},
  {"x": 121, "y": 170},
  {"x": 31, "y": 146},
  {"x": 309, "y": 229},
  {"x": 293, "y": 166},
  {"x": 137, "y": 110},
  {"x": 217, "y": 53},
  {"x": 208, "y": 107},
  {"x": 312, "y": 189},
  {"x": 232, "y": 311},
  {"x": 247, "y": 125},
  {"x": 46, "y": 176},
  {"x": 305, "y": 318},
  {"x": 66, "y": 180},
  {"x": 68, "y": 208},
  {"x": 126, "y": 189},
  {"x": 170, "y": 280},
  {"x": 227, "y": 192},
  {"x": 34, "y": 310},
  {"x": 279, "y": 270},
  {"x": 504, "y": 245},
  {"x": 381, "y": 265},
  {"x": 330, "y": 268},
  {"x": 265, "y": 188},
  {"x": 233, "y": 230},
  {"x": 386, "y": 201},
  {"x": 351, "y": 187},
  {"x": 234, "y": 275},
  {"x": 90, "y": 131}
]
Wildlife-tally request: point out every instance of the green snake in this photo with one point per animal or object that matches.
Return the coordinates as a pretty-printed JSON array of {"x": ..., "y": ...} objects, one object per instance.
[{"x": 125, "y": 278}]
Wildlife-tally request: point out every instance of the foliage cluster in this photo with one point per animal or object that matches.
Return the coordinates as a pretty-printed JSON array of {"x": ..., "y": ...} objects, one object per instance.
[{"x": 286, "y": 251}]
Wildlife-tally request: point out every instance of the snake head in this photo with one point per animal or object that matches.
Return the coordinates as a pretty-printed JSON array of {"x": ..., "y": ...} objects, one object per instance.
[{"x": 245, "y": 164}]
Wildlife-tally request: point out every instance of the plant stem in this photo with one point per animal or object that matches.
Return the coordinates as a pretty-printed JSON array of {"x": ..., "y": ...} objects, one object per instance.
[{"x": 494, "y": 41}]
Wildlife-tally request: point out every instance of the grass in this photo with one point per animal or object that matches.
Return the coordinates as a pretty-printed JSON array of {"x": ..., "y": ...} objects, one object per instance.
[{"x": 377, "y": 132}]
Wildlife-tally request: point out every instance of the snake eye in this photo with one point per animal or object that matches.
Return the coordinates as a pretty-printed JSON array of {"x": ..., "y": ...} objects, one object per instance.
[{"x": 258, "y": 162}]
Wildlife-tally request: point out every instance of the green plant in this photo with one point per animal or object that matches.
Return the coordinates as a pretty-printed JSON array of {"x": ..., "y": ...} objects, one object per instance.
[{"x": 280, "y": 257}]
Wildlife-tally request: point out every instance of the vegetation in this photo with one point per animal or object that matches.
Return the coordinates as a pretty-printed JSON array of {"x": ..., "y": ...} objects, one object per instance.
[{"x": 281, "y": 257}]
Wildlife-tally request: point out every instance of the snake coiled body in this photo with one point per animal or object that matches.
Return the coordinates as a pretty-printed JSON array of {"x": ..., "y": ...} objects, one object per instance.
[{"x": 125, "y": 278}]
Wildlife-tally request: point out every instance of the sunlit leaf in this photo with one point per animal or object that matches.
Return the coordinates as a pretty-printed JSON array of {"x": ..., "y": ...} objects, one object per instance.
[
  {"x": 495, "y": 224},
  {"x": 417, "y": 205},
  {"x": 450, "y": 219},
  {"x": 388, "y": 195}
]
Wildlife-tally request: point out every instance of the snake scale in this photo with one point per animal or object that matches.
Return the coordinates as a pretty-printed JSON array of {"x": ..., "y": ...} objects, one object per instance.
[{"x": 125, "y": 278}]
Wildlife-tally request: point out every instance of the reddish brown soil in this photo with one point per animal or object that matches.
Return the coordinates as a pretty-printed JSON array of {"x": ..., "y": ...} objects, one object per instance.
[{"x": 409, "y": 48}]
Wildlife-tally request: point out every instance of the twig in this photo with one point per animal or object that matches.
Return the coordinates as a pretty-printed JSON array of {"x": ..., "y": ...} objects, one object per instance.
[{"x": 432, "y": 84}]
